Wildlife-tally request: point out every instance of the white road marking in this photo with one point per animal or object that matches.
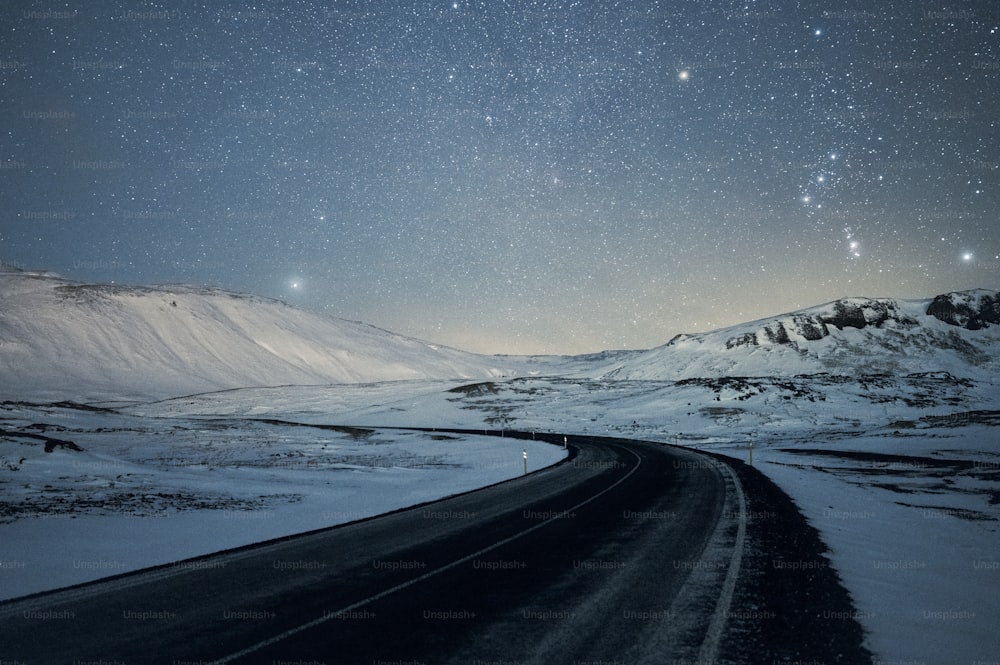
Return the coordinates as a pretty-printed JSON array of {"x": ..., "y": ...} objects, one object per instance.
[{"x": 710, "y": 645}]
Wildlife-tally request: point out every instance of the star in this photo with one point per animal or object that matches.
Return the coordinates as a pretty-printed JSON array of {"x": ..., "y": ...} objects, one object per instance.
[{"x": 683, "y": 75}]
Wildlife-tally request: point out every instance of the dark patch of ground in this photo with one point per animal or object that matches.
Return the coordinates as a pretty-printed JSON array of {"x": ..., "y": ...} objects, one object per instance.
[
  {"x": 748, "y": 386},
  {"x": 356, "y": 433},
  {"x": 61, "y": 405},
  {"x": 884, "y": 460},
  {"x": 50, "y": 442},
  {"x": 474, "y": 389},
  {"x": 790, "y": 605},
  {"x": 52, "y": 502},
  {"x": 82, "y": 407},
  {"x": 947, "y": 511},
  {"x": 982, "y": 417}
]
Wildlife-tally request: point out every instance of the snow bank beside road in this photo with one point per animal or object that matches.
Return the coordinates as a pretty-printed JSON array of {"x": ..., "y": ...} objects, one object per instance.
[
  {"x": 152, "y": 491},
  {"x": 914, "y": 540}
]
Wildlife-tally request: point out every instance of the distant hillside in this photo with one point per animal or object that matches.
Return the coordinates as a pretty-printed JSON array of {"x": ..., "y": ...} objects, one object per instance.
[
  {"x": 60, "y": 338},
  {"x": 957, "y": 333}
]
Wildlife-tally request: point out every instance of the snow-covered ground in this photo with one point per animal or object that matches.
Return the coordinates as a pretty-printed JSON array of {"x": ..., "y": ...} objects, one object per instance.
[
  {"x": 912, "y": 524},
  {"x": 120, "y": 492},
  {"x": 901, "y": 475}
]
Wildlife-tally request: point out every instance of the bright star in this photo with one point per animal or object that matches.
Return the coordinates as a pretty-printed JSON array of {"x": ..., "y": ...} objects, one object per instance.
[
  {"x": 684, "y": 75},
  {"x": 968, "y": 256}
]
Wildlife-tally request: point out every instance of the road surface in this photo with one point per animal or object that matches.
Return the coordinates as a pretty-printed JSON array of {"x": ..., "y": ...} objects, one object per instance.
[{"x": 628, "y": 552}]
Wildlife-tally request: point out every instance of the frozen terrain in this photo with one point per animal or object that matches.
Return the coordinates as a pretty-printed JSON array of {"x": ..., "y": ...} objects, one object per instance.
[
  {"x": 900, "y": 475},
  {"x": 140, "y": 432},
  {"x": 60, "y": 338},
  {"x": 87, "y": 492},
  {"x": 956, "y": 333}
]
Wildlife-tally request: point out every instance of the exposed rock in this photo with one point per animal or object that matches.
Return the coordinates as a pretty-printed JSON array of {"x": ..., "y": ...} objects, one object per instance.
[
  {"x": 810, "y": 329},
  {"x": 972, "y": 310},
  {"x": 846, "y": 315},
  {"x": 746, "y": 339},
  {"x": 862, "y": 313},
  {"x": 778, "y": 334}
]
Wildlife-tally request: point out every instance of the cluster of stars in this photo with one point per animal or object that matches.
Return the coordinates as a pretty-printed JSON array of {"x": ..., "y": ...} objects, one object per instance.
[{"x": 853, "y": 244}]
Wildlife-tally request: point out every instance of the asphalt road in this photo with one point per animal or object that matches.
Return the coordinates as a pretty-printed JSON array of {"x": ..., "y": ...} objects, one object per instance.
[{"x": 626, "y": 553}]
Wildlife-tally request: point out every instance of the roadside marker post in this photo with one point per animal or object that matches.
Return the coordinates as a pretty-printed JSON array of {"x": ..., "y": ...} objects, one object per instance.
[
  {"x": 751, "y": 453},
  {"x": 524, "y": 454}
]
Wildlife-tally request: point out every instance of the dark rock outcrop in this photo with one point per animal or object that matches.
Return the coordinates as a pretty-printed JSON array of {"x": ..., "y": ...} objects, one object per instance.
[
  {"x": 970, "y": 310},
  {"x": 867, "y": 312}
]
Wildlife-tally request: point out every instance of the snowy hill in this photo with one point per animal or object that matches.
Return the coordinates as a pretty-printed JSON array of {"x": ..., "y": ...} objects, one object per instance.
[
  {"x": 956, "y": 333},
  {"x": 59, "y": 338}
]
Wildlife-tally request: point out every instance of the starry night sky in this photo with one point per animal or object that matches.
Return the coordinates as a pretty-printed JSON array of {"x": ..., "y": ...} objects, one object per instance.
[{"x": 510, "y": 177}]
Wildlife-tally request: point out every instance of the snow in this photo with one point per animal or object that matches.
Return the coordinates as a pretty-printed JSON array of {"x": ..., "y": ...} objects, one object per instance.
[
  {"x": 915, "y": 547},
  {"x": 232, "y": 419},
  {"x": 897, "y": 337},
  {"x": 152, "y": 491},
  {"x": 151, "y": 342}
]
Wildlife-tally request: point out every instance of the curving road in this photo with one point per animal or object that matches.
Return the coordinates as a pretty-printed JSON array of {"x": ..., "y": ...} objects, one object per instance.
[{"x": 624, "y": 553}]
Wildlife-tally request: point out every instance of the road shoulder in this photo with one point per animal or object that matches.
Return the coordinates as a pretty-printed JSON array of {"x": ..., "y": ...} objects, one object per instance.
[{"x": 789, "y": 603}]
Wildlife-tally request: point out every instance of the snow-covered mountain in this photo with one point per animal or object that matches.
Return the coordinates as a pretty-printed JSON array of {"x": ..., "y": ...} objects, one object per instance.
[
  {"x": 957, "y": 333},
  {"x": 59, "y": 338}
]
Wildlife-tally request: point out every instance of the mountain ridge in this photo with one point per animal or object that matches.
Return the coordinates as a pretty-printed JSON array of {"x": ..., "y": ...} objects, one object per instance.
[
  {"x": 152, "y": 342},
  {"x": 958, "y": 332},
  {"x": 59, "y": 337}
]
